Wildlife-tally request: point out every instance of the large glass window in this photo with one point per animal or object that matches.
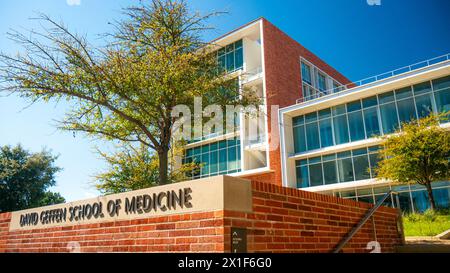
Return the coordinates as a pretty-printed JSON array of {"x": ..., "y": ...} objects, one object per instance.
[
  {"x": 306, "y": 73},
  {"x": 389, "y": 117},
  {"x": 217, "y": 158},
  {"x": 345, "y": 169},
  {"x": 326, "y": 133},
  {"x": 337, "y": 168},
  {"x": 371, "y": 122},
  {"x": 231, "y": 57},
  {"x": 315, "y": 172},
  {"x": 302, "y": 174},
  {"x": 373, "y": 116},
  {"x": 424, "y": 106},
  {"x": 321, "y": 82},
  {"x": 341, "y": 129},
  {"x": 355, "y": 121},
  {"x": 329, "y": 172},
  {"x": 361, "y": 165},
  {"x": 312, "y": 136},
  {"x": 406, "y": 110},
  {"x": 443, "y": 99}
]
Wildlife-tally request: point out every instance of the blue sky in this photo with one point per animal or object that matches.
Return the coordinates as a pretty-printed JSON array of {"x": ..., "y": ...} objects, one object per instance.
[{"x": 358, "y": 39}]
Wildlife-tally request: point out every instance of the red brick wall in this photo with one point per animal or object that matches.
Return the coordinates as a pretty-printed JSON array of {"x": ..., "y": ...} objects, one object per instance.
[
  {"x": 283, "y": 220},
  {"x": 290, "y": 220},
  {"x": 283, "y": 79}
]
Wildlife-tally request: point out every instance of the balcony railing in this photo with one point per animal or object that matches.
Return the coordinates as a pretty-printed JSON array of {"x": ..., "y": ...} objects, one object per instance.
[{"x": 376, "y": 78}]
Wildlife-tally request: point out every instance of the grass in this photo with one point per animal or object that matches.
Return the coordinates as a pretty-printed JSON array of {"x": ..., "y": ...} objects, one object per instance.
[{"x": 427, "y": 224}]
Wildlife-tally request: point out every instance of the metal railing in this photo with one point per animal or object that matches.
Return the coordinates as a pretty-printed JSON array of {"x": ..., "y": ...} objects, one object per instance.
[
  {"x": 376, "y": 78},
  {"x": 366, "y": 217}
]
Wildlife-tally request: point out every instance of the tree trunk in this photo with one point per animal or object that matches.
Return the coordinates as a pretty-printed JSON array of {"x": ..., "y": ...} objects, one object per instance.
[
  {"x": 430, "y": 195},
  {"x": 163, "y": 156}
]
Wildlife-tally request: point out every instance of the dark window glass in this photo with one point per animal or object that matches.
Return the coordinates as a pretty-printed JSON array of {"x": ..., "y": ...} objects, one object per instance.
[
  {"x": 371, "y": 122},
  {"x": 223, "y": 160},
  {"x": 321, "y": 82},
  {"x": 420, "y": 200},
  {"x": 353, "y": 106},
  {"x": 369, "y": 102},
  {"x": 306, "y": 73},
  {"x": 361, "y": 164},
  {"x": 374, "y": 159},
  {"x": 299, "y": 139},
  {"x": 325, "y": 113},
  {"x": 341, "y": 129},
  {"x": 366, "y": 199},
  {"x": 232, "y": 157},
  {"x": 315, "y": 175},
  {"x": 302, "y": 177},
  {"x": 406, "y": 110},
  {"x": 403, "y": 93},
  {"x": 312, "y": 136},
  {"x": 356, "y": 125},
  {"x": 239, "y": 58},
  {"x": 230, "y": 61},
  {"x": 311, "y": 117},
  {"x": 405, "y": 201},
  {"x": 422, "y": 88},
  {"x": 339, "y": 110},
  {"x": 441, "y": 83},
  {"x": 443, "y": 100},
  {"x": 214, "y": 167},
  {"x": 389, "y": 118},
  {"x": 205, "y": 164},
  {"x": 345, "y": 170},
  {"x": 298, "y": 120},
  {"x": 442, "y": 198},
  {"x": 326, "y": 133},
  {"x": 423, "y": 104},
  {"x": 329, "y": 171},
  {"x": 386, "y": 97}
]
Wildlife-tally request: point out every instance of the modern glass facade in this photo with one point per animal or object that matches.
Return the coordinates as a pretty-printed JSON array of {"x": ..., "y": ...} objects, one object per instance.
[
  {"x": 369, "y": 117},
  {"x": 413, "y": 198},
  {"x": 231, "y": 57},
  {"x": 335, "y": 168},
  {"x": 218, "y": 158}
]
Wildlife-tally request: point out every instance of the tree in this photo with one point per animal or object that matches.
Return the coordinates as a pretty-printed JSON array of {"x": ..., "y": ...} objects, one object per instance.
[
  {"x": 51, "y": 198},
  {"x": 419, "y": 153},
  {"x": 134, "y": 168},
  {"x": 126, "y": 90},
  {"x": 25, "y": 179}
]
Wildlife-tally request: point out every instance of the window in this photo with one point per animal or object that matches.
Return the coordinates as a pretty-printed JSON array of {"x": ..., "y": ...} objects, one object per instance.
[
  {"x": 345, "y": 169},
  {"x": 371, "y": 122},
  {"x": 312, "y": 136},
  {"x": 406, "y": 110},
  {"x": 361, "y": 164},
  {"x": 373, "y": 116},
  {"x": 302, "y": 174},
  {"x": 231, "y": 57},
  {"x": 389, "y": 117},
  {"x": 337, "y": 168},
  {"x": 326, "y": 133},
  {"x": 329, "y": 171},
  {"x": 315, "y": 174},
  {"x": 442, "y": 94},
  {"x": 341, "y": 129},
  {"x": 306, "y": 73},
  {"x": 424, "y": 106},
  {"x": 222, "y": 157},
  {"x": 321, "y": 82},
  {"x": 356, "y": 125}
]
